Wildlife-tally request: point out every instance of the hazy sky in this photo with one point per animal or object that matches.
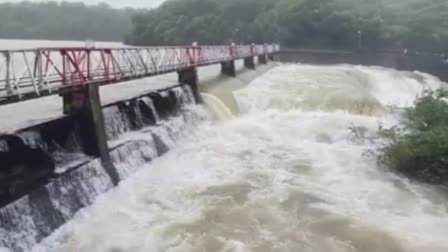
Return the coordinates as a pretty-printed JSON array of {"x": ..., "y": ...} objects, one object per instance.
[{"x": 114, "y": 3}]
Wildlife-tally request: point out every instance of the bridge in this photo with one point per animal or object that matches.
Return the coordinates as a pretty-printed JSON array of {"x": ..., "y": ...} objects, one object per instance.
[
  {"x": 77, "y": 73},
  {"x": 34, "y": 73}
]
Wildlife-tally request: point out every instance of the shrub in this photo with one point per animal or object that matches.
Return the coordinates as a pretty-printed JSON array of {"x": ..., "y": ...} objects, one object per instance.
[{"x": 419, "y": 148}]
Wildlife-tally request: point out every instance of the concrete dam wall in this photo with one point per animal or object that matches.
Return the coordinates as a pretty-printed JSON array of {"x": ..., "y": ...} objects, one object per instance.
[{"x": 47, "y": 171}]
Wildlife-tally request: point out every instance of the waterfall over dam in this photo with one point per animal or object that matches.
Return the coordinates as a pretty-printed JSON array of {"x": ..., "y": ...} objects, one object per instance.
[
  {"x": 34, "y": 216},
  {"x": 144, "y": 124},
  {"x": 284, "y": 173}
]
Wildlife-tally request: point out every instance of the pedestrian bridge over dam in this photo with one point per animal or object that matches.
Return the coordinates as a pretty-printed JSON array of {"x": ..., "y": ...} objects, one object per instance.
[{"x": 33, "y": 73}]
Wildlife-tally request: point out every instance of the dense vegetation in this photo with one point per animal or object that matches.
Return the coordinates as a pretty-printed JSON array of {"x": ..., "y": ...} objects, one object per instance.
[
  {"x": 63, "y": 21},
  {"x": 421, "y": 24},
  {"x": 419, "y": 148}
]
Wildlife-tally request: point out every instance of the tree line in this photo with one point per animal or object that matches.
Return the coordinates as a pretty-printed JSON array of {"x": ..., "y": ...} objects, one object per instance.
[
  {"x": 411, "y": 24},
  {"x": 64, "y": 21}
]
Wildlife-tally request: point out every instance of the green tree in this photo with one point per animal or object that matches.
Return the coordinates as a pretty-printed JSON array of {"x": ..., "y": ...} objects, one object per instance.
[
  {"x": 414, "y": 24},
  {"x": 419, "y": 148},
  {"x": 64, "y": 21}
]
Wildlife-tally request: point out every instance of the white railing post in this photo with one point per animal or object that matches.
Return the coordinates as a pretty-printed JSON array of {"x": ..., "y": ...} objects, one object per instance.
[{"x": 8, "y": 85}]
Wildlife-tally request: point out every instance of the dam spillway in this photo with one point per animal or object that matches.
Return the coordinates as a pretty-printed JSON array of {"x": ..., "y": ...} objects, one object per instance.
[
  {"x": 286, "y": 175},
  {"x": 157, "y": 107}
]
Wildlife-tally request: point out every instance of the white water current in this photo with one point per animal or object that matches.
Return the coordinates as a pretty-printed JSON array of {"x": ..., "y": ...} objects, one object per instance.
[{"x": 286, "y": 175}]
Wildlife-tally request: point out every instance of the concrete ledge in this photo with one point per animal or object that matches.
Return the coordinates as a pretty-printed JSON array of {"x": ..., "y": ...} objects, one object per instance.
[
  {"x": 33, "y": 155},
  {"x": 61, "y": 189},
  {"x": 223, "y": 86}
]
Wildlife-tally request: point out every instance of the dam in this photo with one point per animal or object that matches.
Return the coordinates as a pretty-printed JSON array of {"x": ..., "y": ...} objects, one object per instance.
[
  {"x": 286, "y": 175},
  {"x": 159, "y": 106},
  {"x": 268, "y": 163}
]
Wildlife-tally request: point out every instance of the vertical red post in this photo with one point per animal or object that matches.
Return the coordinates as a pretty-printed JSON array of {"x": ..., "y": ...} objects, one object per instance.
[
  {"x": 231, "y": 50},
  {"x": 88, "y": 65},
  {"x": 104, "y": 61},
  {"x": 200, "y": 59}
]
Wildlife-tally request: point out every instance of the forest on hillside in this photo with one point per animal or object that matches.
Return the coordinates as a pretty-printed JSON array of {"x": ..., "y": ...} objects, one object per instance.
[
  {"x": 413, "y": 24},
  {"x": 64, "y": 21},
  {"x": 384, "y": 24}
]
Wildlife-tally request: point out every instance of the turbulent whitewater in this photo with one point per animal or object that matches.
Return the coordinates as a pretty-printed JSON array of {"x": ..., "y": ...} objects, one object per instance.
[{"x": 286, "y": 175}]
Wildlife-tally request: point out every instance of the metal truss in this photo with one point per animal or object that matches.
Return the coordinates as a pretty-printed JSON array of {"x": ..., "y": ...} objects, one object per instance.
[{"x": 26, "y": 74}]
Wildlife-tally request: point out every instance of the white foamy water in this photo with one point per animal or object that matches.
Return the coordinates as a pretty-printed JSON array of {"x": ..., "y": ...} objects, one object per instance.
[{"x": 284, "y": 176}]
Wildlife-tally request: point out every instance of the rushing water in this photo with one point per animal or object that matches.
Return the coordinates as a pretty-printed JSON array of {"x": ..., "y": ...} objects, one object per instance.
[{"x": 286, "y": 175}]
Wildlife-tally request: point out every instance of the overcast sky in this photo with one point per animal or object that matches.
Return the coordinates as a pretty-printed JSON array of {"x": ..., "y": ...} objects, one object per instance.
[{"x": 114, "y": 3}]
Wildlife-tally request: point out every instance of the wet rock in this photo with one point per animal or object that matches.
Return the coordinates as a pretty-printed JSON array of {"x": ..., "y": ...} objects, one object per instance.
[
  {"x": 22, "y": 168},
  {"x": 148, "y": 117},
  {"x": 165, "y": 103},
  {"x": 161, "y": 147}
]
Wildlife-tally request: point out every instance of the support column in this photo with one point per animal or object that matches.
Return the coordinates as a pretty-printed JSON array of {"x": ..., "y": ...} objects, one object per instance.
[
  {"x": 84, "y": 105},
  {"x": 189, "y": 76},
  {"x": 277, "y": 57},
  {"x": 262, "y": 59},
  {"x": 274, "y": 57},
  {"x": 8, "y": 84},
  {"x": 228, "y": 68},
  {"x": 249, "y": 62}
]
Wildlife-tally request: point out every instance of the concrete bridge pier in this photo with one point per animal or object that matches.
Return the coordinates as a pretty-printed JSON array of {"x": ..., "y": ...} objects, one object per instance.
[
  {"x": 228, "y": 68},
  {"x": 249, "y": 62},
  {"x": 84, "y": 105},
  {"x": 273, "y": 57},
  {"x": 189, "y": 76},
  {"x": 262, "y": 59}
]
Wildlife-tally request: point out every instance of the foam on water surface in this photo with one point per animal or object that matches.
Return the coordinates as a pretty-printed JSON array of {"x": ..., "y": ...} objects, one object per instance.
[{"x": 285, "y": 176}]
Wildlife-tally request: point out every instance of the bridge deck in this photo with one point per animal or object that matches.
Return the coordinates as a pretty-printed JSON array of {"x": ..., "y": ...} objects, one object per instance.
[
  {"x": 28, "y": 74},
  {"x": 36, "y": 111}
]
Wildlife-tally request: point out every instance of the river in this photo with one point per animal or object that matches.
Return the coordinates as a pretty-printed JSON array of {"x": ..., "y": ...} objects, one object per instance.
[{"x": 286, "y": 175}]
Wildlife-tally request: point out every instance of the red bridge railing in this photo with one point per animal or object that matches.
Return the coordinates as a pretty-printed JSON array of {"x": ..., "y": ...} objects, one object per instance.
[{"x": 37, "y": 72}]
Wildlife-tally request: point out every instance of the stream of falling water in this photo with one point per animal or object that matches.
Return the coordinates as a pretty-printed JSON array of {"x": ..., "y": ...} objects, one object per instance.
[{"x": 284, "y": 176}]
